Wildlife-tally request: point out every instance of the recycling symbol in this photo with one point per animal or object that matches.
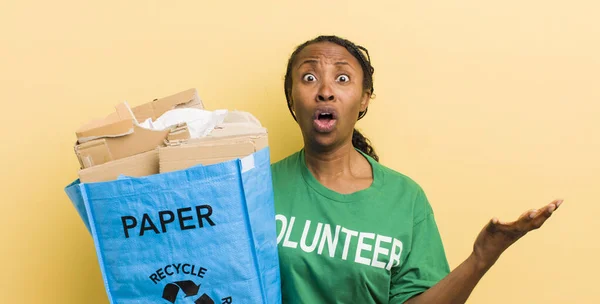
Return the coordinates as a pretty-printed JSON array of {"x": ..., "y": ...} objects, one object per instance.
[{"x": 189, "y": 288}]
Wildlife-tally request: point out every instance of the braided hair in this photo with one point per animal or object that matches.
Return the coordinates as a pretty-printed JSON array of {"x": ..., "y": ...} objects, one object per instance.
[{"x": 359, "y": 141}]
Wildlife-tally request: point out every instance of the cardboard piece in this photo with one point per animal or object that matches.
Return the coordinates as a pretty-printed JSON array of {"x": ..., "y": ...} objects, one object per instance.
[
  {"x": 181, "y": 133},
  {"x": 108, "y": 149},
  {"x": 116, "y": 124},
  {"x": 186, "y": 99},
  {"x": 118, "y": 135},
  {"x": 236, "y": 129},
  {"x": 207, "y": 151},
  {"x": 176, "y": 157},
  {"x": 143, "y": 164},
  {"x": 93, "y": 152},
  {"x": 117, "y": 145}
]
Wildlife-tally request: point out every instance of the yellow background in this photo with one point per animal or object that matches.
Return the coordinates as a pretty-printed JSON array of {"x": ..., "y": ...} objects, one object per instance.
[{"x": 492, "y": 106}]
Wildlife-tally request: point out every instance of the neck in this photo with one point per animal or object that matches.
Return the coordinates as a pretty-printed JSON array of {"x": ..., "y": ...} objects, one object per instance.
[{"x": 330, "y": 163}]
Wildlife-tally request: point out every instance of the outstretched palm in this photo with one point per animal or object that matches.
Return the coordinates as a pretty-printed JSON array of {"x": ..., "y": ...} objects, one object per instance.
[{"x": 497, "y": 236}]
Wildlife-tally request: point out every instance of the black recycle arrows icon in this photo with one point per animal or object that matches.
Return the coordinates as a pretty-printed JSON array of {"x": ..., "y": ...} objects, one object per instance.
[{"x": 189, "y": 288}]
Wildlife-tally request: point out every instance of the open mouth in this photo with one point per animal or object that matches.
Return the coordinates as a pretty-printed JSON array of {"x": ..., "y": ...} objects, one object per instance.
[
  {"x": 325, "y": 116},
  {"x": 325, "y": 119}
]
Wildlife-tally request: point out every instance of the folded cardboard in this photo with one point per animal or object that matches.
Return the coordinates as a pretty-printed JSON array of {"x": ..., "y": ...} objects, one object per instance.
[
  {"x": 186, "y": 99},
  {"x": 228, "y": 128},
  {"x": 176, "y": 157},
  {"x": 107, "y": 149},
  {"x": 143, "y": 164},
  {"x": 119, "y": 136},
  {"x": 118, "y": 145},
  {"x": 179, "y": 133},
  {"x": 236, "y": 129},
  {"x": 207, "y": 151},
  {"x": 116, "y": 124}
]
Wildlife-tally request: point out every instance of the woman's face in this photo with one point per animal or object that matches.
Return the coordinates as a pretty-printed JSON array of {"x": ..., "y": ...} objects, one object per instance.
[{"x": 327, "y": 93}]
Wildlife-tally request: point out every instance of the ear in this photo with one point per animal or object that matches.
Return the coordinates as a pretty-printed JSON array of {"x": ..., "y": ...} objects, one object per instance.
[{"x": 364, "y": 102}]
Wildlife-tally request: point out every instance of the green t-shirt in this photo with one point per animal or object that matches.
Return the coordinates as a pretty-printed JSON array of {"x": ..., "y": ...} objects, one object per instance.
[{"x": 377, "y": 245}]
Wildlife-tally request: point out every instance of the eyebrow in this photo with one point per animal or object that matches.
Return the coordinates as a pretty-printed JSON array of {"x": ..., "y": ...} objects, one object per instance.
[
  {"x": 308, "y": 61},
  {"x": 314, "y": 61}
]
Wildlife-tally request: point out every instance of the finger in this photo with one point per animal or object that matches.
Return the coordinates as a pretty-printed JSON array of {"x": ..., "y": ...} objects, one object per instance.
[
  {"x": 558, "y": 203},
  {"x": 528, "y": 220},
  {"x": 529, "y": 214},
  {"x": 542, "y": 216},
  {"x": 495, "y": 221},
  {"x": 496, "y": 225},
  {"x": 550, "y": 209},
  {"x": 524, "y": 216},
  {"x": 522, "y": 223},
  {"x": 523, "y": 219},
  {"x": 546, "y": 209},
  {"x": 492, "y": 226},
  {"x": 510, "y": 229}
]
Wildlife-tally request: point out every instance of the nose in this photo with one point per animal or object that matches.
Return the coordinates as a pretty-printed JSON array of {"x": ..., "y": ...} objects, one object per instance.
[
  {"x": 325, "y": 93},
  {"x": 322, "y": 97}
]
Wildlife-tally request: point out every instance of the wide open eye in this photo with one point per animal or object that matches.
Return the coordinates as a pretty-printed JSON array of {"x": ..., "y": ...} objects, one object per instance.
[
  {"x": 309, "y": 78},
  {"x": 343, "y": 78}
]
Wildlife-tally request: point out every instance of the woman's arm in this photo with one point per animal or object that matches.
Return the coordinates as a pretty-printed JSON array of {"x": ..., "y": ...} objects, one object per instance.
[{"x": 494, "y": 239}]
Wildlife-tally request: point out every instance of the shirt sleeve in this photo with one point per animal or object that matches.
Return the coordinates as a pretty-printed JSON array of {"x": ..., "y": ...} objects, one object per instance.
[{"x": 425, "y": 263}]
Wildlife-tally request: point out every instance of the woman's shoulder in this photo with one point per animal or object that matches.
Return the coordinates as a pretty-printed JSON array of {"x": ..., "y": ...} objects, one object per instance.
[
  {"x": 286, "y": 161},
  {"x": 396, "y": 178},
  {"x": 406, "y": 186},
  {"x": 286, "y": 166}
]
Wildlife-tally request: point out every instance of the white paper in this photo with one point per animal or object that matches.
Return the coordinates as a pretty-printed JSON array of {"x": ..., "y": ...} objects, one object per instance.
[
  {"x": 241, "y": 117},
  {"x": 199, "y": 122}
]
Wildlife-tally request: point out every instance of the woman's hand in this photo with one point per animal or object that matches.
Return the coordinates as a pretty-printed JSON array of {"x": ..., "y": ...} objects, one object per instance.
[
  {"x": 497, "y": 236},
  {"x": 491, "y": 242}
]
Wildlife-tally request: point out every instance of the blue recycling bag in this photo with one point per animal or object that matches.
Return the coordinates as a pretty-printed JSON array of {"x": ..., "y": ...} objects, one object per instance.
[{"x": 201, "y": 235}]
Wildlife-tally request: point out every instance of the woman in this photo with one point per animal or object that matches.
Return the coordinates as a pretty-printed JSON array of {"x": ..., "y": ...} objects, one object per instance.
[{"x": 351, "y": 230}]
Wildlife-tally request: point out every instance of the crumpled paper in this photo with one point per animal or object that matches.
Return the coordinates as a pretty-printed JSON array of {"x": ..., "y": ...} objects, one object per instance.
[{"x": 199, "y": 122}]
